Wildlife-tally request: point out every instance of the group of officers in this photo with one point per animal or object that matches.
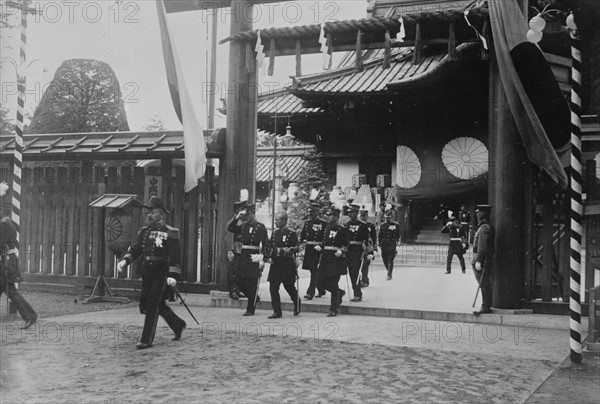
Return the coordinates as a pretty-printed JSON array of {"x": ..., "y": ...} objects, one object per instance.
[{"x": 331, "y": 250}]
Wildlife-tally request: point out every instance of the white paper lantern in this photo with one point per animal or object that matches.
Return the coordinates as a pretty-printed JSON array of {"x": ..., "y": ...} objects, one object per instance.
[
  {"x": 533, "y": 36},
  {"x": 537, "y": 23}
]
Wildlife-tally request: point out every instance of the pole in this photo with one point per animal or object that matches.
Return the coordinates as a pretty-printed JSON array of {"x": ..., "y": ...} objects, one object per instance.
[
  {"x": 274, "y": 174},
  {"x": 576, "y": 199},
  {"x": 213, "y": 67}
]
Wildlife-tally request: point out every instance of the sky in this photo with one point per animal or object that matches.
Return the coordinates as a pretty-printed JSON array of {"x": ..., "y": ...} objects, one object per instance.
[{"x": 125, "y": 35}]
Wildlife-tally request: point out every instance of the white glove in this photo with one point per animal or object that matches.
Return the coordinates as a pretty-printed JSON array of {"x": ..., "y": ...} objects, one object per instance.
[
  {"x": 338, "y": 253},
  {"x": 317, "y": 248},
  {"x": 261, "y": 265},
  {"x": 171, "y": 282},
  {"x": 256, "y": 257},
  {"x": 370, "y": 257},
  {"x": 230, "y": 256},
  {"x": 121, "y": 265},
  {"x": 478, "y": 266}
]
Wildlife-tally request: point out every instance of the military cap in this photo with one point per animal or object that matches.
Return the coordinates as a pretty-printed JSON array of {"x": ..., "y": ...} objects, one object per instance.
[
  {"x": 333, "y": 211},
  {"x": 388, "y": 212},
  {"x": 156, "y": 202},
  {"x": 251, "y": 208},
  {"x": 239, "y": 205},
  {"x": 314, "y": 205},
  {"x": 484, "y": 208},
  {"x": 354, "y": 207}
]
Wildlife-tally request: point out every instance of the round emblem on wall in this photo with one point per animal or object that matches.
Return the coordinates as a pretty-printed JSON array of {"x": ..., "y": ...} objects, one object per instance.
[
  {"x": 408, "y": 167},
  {"x": 113, "y": 228},
  {"x": 465, "y": 158}
]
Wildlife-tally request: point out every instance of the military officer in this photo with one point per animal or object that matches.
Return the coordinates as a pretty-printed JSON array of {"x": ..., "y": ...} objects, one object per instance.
[
  {"x": 254, "y": 240},
  {"x": 370, "y": 252},
  {"x": 358, "y": 239},
  {"x": 442, "y": 214},
  {"x": 332, "y": 264},
  {"x": 158, "y": 246},
  {"x": 9, "y": 267},
  {"x": 282, "y": 252},
  {"x": 312, "y": 235},
  {"x": 455, "y": 246},
  {"x": 483, "y": 256},
  {"x": 233, "y": 255},
  {"x": 464, "y": 217},
  {"x": 389, "y": 236}
]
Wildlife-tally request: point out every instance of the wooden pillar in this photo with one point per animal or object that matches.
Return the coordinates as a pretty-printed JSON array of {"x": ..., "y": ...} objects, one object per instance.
[
  {"x": 166, "y": 192},
  {"x": 239, "y": 165},
  {"x": 508, "y": 213}
]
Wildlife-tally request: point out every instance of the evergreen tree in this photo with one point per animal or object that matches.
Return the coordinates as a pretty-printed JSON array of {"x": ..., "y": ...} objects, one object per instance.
[
  {"x": 84, "y": 96},
  {"x": 155, "y": 124},
  {"x": 312, "y": 177}
]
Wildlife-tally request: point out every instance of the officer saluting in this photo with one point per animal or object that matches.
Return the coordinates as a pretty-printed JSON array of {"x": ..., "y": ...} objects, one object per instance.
[
  {"x": 332, "y": 264},
  {"x": 158, "y": 246},
  {"x": 233, "y": 255},
  {"x": 455, "y": 247},
  {"x": 389, "y": 236},
  {"x": 358, "y": 239},
  {"x": 312, "y": 235},
  {"x": 283, "y": 249},
  {"x": 254, "y": 240}
]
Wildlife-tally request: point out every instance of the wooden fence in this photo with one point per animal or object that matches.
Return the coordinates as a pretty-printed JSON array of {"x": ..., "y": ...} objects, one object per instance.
[{"x": 61, "y": 234}]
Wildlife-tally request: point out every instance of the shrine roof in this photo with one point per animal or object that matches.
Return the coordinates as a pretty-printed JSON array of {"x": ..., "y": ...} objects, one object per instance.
[
  {"x": 290, "y": 159},
  {"x": 107, "y": 145},
  {"x": 282, "y": 102}
]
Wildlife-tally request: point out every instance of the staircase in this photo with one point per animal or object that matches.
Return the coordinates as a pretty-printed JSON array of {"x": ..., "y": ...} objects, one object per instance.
[{"x": 431, "y": 233}]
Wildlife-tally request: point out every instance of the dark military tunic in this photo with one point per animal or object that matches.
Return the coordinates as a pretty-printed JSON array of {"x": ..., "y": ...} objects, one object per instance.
[
  {"x": 389, "y": 235},
  {"x": 455, "y": 247},
  {"x": 483, "y": 252},
  {"x": 312, "y": 234},
  {"x": 284, "y": 246},
  {"x": 335, "y": 237},
  {"x": 254, "y": 240}
]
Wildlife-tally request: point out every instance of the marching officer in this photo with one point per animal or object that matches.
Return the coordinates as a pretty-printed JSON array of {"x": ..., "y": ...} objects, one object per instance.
[
  {"x": 364, "y": 217},
  {"x": 158, "y": 246},
  {"x": 312, "y": 235},
  {"x": 9, "y": 267},
  {"x": 483, "y": 256},
  {"x": 389, "y": 237},
  {"x": 233, "y": 256},
  {"x": 254, "y": 240},
  {"x": 332, "y": 263},
  {"x": 464, "y": 217},
  {"x": 358, "y": 239},
  {"x": 282, "y": 251},
  {"x": 458, "y": 239}
]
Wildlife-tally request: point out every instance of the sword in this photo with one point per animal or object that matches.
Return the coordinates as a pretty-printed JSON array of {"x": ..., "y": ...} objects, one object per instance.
[
  {"x": 183, "y": 302},
  {"x": 478, "y": 286}
]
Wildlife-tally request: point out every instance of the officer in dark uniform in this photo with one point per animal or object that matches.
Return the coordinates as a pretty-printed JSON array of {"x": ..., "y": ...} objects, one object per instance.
[
  {"x": 455, "y": 246},
  {"x": 358, "y": 239},
  {"x": 233, "y": 255},
  {"x": 483, "y": 256},
  {"x": 254, "y": 247},
  {"x": 158, "y": 246},
  {"x": 389, "y": 236},
  {"x": 464, "y": 217},
  {"x": 312, "y": 235},
  {"x": 370, "y": 252},
  {"x": 442, "y": 214},
  {"x": 9, "y": 268},
  {"x": 332, "y": 263},
  {"x": 282, "y": 252}
]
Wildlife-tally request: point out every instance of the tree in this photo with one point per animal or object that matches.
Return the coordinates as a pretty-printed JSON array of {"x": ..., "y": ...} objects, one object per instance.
[
  {"x": 84, "y": 96},
  {"x": 7, "y": 128},
  {"x": 312, "y": 177},
  {"x": 155, "y": 124}
]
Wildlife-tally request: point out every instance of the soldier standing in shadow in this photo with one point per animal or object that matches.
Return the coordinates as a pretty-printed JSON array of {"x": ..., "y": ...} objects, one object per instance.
[{"x": 312, "y": 235}]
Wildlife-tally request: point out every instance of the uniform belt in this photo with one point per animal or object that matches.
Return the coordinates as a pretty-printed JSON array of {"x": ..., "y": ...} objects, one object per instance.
[
  {"x": 455, "y": 239},
  {"x": 250, "y": 247},
  {"x": 464, "y": 222},
  {"x": 356, "y": 243},
  {"x": 12, "y": 251},
  {"x": 330, "y": 248},
  {"x": 151, "y": 258},
  {"x": 314, "y": 243}
]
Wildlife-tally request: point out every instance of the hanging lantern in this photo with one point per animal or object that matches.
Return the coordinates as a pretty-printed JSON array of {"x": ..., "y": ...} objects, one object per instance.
[
  {"x": 533, "y": 36},
  {"x": 537, "y": 23}
]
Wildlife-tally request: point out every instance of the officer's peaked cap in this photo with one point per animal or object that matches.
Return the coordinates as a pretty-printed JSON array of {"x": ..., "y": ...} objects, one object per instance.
[{"x": 156, "y": 202}]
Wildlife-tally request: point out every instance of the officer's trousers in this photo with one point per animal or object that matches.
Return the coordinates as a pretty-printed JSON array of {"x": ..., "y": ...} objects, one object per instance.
[
  {"x": 388, "y": 260},
  {"x": 154, "y": 292},
  {"x": 455, "y": 248},
  {"x": 484, "y": 278},
  {"x": 365, "y": 271},
  {"x": 23, "y": 307},
  {"x": 354, "y": 269},
  {"x": 276, "y": 299},
  {"x": 330, "y": 284},
  {"x": 314, "y": 275},
  {"x": 249, "y": 286}
]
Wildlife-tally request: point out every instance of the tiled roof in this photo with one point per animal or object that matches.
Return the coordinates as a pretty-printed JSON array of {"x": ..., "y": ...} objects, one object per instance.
[
  {"x": 284, "y": 103},
  {"x": 109, "y": 145},
  {"x": 290, "y": 159}
]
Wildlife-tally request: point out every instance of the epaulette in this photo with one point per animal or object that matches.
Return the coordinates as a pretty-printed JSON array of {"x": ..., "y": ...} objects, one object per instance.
[{"x": 172, "y": 232}]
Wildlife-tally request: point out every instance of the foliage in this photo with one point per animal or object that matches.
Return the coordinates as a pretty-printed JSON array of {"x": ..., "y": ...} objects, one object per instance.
[
  {"x": 155, "y": 124},
  {"x": 313, "y": 176},
  {"x": 84, "y": 96},
  {"x": 7, "y": 128}
]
